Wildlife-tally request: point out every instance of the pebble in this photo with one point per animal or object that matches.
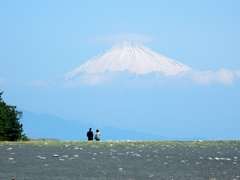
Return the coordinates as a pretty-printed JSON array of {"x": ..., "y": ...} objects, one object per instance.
[{"x": 120, "y": 169}]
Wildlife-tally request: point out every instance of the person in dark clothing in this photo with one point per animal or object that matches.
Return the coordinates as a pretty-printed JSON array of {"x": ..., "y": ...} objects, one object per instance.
[{"x": 90, "y": 134}]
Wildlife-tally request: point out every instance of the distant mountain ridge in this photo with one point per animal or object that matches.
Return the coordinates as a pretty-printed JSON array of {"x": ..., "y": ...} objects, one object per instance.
[
  {"x": 132, "y": 57},
  {"x": 49, "y": 126},
  {"x": 44, "y": 126}
]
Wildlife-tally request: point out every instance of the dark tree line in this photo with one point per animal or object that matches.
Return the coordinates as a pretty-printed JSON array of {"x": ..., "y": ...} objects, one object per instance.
[{"x": 10, "y": 127}]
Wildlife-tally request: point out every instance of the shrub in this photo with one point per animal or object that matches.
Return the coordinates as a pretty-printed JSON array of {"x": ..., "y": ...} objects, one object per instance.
[{"x": 10, "y": 127}]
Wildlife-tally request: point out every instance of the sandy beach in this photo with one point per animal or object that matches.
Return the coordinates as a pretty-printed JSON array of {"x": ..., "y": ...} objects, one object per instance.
[{"x": 128, "y": 161}]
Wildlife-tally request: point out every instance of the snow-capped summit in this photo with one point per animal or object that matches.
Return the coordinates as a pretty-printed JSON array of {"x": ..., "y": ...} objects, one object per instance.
[{"x": 133, "y": 57}]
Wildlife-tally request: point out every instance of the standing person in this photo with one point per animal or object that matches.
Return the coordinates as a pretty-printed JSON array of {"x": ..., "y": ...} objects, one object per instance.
[
  {"x": 97, "y": 135},
  {"x": 90, "y": 134}
]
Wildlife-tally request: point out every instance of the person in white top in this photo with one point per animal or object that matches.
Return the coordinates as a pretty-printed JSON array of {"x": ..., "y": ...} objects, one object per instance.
[{"x": 97, "y": 135}]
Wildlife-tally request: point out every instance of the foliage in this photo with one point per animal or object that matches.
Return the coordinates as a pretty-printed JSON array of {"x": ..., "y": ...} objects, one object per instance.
[{"x": 10, "y": 127}]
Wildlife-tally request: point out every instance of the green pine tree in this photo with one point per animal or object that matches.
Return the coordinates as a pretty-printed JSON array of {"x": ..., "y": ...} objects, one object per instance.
[{"x": 10, "y": 127}]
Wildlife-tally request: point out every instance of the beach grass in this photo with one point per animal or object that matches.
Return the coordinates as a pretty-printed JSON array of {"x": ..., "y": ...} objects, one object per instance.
[{"x": 126, "y": 143}]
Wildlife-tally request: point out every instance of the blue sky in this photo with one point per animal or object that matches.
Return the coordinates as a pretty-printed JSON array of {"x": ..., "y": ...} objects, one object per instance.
[{"x": 41, "y": 40}]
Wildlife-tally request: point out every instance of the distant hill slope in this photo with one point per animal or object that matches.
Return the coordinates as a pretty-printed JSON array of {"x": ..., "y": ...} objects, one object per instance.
[{"x": 49, "y": 126}]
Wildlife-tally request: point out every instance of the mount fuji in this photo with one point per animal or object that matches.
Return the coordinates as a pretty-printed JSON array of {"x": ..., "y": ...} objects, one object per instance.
[{"x": 133, "y": 58}]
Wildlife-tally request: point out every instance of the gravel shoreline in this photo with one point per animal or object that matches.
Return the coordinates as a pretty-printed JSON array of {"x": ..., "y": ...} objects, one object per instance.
[{"x": 164, "y": 162}]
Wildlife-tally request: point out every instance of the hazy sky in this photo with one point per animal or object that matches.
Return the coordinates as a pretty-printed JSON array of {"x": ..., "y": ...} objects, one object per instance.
[{"x": 41, "y": 40}]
